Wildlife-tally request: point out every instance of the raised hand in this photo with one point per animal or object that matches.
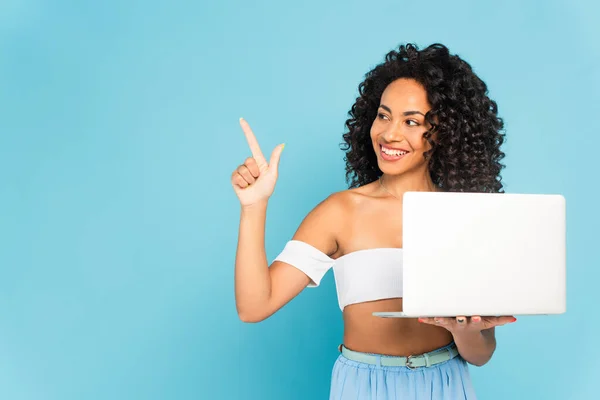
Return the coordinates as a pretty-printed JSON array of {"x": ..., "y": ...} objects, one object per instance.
[{"x": 254, "y": 180}]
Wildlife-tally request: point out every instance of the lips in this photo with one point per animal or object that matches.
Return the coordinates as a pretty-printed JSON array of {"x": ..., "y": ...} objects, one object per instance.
[{"x": 391, "y": 153}]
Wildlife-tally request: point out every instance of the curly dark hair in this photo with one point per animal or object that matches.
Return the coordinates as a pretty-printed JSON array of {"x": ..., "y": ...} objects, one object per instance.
[{"x": 466, "y": 155}]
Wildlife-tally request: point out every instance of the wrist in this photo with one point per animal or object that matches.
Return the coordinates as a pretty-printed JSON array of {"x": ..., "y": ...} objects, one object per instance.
[
  {"x": 259, "y": 206},
  {"x": 467, "y": 335}
]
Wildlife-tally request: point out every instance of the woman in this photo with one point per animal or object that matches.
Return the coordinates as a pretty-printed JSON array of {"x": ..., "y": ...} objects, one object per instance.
[{"x": 423, "y": 122}]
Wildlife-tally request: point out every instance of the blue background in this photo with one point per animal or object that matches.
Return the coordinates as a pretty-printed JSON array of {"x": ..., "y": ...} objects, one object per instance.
[{"x": 118, "y": 226}]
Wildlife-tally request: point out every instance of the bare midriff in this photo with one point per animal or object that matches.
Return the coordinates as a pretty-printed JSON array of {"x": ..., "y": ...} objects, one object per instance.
[{"x": 389, "y": 336}]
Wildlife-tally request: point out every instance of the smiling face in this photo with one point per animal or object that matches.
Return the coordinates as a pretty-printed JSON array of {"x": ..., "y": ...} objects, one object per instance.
[{"x": 397, "y": 131}]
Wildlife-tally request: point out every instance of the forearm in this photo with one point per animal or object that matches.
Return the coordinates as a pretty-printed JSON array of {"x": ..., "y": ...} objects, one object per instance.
[
  {"x": 476, "y": 347},
  {"x": 252, "y": 278}
]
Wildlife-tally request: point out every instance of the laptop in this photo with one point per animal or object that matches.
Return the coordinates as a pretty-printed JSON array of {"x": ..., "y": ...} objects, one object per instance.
[{"x": 487, "y": 254}]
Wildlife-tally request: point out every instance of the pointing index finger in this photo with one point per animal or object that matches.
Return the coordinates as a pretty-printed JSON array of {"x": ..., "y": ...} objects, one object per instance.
[{"x": 252, "y": 142}]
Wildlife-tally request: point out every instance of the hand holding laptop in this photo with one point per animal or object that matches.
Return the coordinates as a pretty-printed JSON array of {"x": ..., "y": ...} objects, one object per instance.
[{"x": 464, "y": 324}]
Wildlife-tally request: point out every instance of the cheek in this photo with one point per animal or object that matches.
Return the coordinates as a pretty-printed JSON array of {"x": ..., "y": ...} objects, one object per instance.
[
  {"x": 373, "y": 132},
  {"x": 415, "y": 145},
  {"x": 419, "y": 143}
]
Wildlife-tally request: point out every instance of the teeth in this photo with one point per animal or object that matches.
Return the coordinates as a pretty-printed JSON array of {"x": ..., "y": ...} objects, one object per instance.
[{"x": 393, "y": 152}]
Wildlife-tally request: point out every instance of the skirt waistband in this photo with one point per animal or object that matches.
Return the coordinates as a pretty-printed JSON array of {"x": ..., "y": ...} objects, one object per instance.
[{"x": 422, "y": 360}]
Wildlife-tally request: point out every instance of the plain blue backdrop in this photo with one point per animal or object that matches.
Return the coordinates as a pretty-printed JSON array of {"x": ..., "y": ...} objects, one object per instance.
[{"x": 118, "y": 226}]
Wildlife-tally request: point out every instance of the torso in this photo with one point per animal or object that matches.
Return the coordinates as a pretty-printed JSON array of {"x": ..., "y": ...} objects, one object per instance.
[{"x": 370, "y": 224}]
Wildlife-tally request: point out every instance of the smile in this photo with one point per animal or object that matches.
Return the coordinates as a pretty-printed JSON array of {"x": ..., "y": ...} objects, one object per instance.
[{"x": 391, "y": 154}]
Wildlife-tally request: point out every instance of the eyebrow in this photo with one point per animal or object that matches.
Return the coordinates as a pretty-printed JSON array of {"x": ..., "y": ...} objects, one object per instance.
[{"x": 405, "y": 113}]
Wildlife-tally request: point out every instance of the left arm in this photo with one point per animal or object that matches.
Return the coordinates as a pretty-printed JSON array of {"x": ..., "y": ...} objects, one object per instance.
[
  {"x": 475, "y": 337},
  {"x": 476, "y": 348}
]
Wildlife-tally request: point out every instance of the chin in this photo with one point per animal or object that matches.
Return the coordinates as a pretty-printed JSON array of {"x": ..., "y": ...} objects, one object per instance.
[
  {"x": 401, "y": 168},
  {"x": 392, "y": 171}
]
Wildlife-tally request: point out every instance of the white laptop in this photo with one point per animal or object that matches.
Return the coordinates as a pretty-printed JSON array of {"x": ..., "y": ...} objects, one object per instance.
[{"x": 487, "y": 254}]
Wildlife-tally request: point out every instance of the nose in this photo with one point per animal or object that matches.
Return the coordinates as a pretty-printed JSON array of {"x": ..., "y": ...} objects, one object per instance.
[{"x": 393, "y": 133}]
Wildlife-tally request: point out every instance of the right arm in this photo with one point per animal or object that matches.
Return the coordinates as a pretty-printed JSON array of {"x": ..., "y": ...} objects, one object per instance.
[{"x": 260, "y": 289}]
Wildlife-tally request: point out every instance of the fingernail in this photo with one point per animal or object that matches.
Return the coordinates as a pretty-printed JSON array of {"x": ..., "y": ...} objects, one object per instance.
[
  {"x": 513, "y": 319},
  {"x": 476, "y": 319},
  {"x": 461, "y": 320},
  {"x": 420, "y": 320}
]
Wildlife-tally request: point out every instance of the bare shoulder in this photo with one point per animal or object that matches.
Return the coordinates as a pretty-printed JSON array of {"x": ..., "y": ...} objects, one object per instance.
[{"x": 325, "y": 223}]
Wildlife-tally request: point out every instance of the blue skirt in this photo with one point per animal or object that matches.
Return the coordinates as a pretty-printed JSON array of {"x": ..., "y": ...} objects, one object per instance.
[{"x": 448, "y": 380}]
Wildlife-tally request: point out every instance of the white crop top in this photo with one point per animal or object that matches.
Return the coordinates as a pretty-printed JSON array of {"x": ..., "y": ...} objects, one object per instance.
[{"x": 360, "y": 276}]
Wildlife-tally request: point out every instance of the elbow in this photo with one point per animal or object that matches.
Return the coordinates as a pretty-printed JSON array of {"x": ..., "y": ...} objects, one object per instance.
[
  {"x": 478, "y": 363},
  {"x": 251, "y": 316},
  {"x": 480, "y": 360}
]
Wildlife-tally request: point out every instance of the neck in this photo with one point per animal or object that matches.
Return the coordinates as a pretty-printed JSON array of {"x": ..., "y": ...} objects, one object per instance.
[{"x": 397, "y": 185}]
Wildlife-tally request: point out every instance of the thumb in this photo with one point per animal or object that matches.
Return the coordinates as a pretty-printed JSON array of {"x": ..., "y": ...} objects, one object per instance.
[{"x": 275, "y": 156}]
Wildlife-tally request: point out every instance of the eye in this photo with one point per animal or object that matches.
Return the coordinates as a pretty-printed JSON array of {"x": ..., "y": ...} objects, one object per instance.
[
  {"x": 381, "y": 116},
  {"x": 412, "y": 122}
]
